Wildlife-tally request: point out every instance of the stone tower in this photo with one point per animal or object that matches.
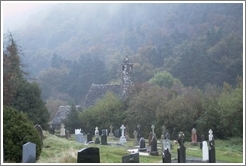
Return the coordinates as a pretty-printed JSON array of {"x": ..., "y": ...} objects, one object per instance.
[{"x": 126, "y": 77}]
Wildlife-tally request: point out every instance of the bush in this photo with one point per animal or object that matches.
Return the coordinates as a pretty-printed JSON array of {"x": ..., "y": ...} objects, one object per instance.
[{"x": 18, "y": 130}]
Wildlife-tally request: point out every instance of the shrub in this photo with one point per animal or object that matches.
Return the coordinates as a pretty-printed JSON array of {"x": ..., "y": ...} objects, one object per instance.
[{"x": 18, "y": 130}]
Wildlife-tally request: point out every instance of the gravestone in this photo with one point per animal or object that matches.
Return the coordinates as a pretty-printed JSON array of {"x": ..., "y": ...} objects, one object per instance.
[
  {"x": 153, "y": 149},
  {"x": 135, "y": 138},
  {"x": 88, "y": 155},
  {"x": 142, "y": 147},
  {"x": 166, "y": 143},
  {"x": 166, "y": 156},
  {"x": 163, "y": 129},
  {"x": 104, "y": 132},
  {"x": 97, "y": 140},
  {"x": 139, "y": 131},
  {"x": 131, "y": 158},
  {"x": 211, "y": 147},
  {"x": 174, "y": 134},
  {"x": 79, "y": 137},
  {"x": 150, "y": 137},
  {"x": 104, "y": 139},
  {"x": 153, "y": 129},
  {"x": 51, "y": 130},
  {"x": 67, "y": 134},
  {"x": 117, "y": 133},
  {"x": 202, "y": 139},
  {"x": 62, "y": 130},
  {"x": 40, "y": 131},
  {"x": 205, "y": 151},
  {"x": 111, "y": 131},
  {"x": 193, "y": 137},
  {"x": 181, "y": 149},
  {"x": 89, "y": 137},
  {"x": 77, "y": 131},
  {"x": 29, "y": 153},
  {"x": 122, "y": 138}
]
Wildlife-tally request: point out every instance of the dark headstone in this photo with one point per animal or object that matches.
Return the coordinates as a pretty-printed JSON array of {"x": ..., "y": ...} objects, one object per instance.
[
  {"x": 29, "y": 153},
  {"x": 40, "y": 131},
  {"x": 97, "y": 141},
  {"x": 150, "y": 137},
  {"x": 117, "y": 133},
  {"x": 181, "y": 154},
  {"x": 132, "y": 158},
  {"x": 104, "y": 140},
  {"x": 104, "y": 132},
  {"x": 139, "y": 131},
  {"x": 88, "y": 155},
  {"x": 202, "y": 139},
  {"x": 89, "y": 137},
  {"x": 52, "y": 130},
  {"x": 142, "y": 147},
  {"x": 211, "y": 152},
  {"x": 154, "y": 150},
  {"x": 166, "y": 156},
  {"x": 67, "y": 134},
  {"x": 174, "y": 134},
  {"x": 181, "y": 150}
]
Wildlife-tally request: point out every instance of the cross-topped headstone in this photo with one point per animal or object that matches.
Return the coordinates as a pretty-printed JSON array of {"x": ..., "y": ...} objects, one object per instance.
[
  {"x": 96, "y": 132},
  {"x": 153, "y": 128},
  {"x": 163, "y": 129},
  {"x": 111, "y": 129},
  {"x": 122, "y": 130},
  {"x": 122, "y": 138},
  {"x": 62, "y": 130},
  {"x": 135, "y": 137},
  {"x": 210, "y": 136}
]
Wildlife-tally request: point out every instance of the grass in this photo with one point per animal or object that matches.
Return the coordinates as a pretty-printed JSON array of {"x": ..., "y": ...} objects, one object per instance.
[{"x": 60, "y": 150}]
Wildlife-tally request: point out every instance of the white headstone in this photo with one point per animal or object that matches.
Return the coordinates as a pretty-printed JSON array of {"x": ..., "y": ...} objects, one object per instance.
[
  {"x": 62, "y": 130},
  {"x": 122, "y": 138},
  {"x": 210, "y": 136},
  {"x": 77, "y": 131},
  {"x": 153, "y": 128},
  {"x": 96, "y": 132},
  {"x": 205, "y": 151},
  {"x": 111, "y": 131}
]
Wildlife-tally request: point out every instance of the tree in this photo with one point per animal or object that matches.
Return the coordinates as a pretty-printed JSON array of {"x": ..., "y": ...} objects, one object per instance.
[
  {"x": 164, "y": 78},
  {"x": 28, "y": 99},
  {"x": 72, "y": 120},
  {"x": 24, "y": 96},
  {"x": 18, "y": 130},
  {"x": 12, "y": 71}
]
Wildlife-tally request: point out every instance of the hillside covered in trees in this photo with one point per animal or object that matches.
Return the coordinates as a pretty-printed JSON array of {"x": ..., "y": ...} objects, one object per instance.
[{"x": 187, "y": 61}]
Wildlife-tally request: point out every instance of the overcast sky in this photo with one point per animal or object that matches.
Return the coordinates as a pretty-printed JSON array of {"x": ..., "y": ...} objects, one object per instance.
[{"x": 14, "y": 14}]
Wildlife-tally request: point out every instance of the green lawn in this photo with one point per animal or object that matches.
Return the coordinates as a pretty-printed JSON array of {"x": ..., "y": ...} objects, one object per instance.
[{"x": 61, "y": 150}]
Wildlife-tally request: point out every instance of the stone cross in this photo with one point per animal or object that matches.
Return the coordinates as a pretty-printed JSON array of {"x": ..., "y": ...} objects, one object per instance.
[
  {"x": 210, "y": 136},
  {"x": 135, "y": 137},
  {"x": 62, "y": 130},
  {"x": 96, "y": 132},
  {"x": 122, "y": 130},
  {"x": 111, "y": 129},
  {"x": 153, "y": 128},
  {"x": 163, "y": 129}
]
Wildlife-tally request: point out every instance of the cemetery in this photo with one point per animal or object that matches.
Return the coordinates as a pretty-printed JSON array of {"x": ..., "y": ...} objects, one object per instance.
[{"x": 108, "y": 147}]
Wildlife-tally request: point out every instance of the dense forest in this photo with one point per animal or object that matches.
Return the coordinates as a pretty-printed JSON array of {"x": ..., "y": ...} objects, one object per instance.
[{"x": 187, "y": 62}]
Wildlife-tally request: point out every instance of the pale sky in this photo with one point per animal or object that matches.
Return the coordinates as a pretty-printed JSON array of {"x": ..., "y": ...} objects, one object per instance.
[{"x": 14, "y": 14}]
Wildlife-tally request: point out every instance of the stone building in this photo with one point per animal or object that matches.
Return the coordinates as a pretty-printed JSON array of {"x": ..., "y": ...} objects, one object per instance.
[{"x": 97, "y": 91}]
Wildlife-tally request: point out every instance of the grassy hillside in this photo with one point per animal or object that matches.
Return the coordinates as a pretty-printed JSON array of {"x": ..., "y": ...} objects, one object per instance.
[{"x": 60, "y": 150}]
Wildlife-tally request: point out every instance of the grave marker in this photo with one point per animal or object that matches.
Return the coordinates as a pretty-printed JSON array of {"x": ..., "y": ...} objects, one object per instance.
[
  {"x": 132, "y": 158},
  {"x": 88, "y": 155},
  {"x": 29, "y": 153}
]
